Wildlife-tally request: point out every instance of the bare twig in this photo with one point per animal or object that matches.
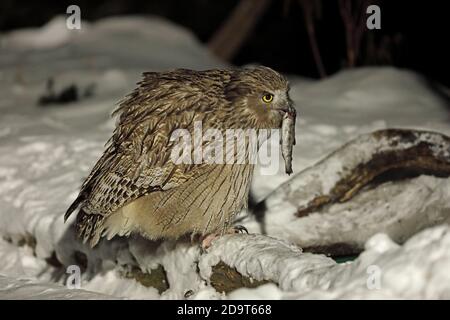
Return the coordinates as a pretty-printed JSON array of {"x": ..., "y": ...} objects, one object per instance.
[
  {"x": 228, "y": 39},
  {"x": 309, "y": 9},
  {"x": 353, "y": 19}
]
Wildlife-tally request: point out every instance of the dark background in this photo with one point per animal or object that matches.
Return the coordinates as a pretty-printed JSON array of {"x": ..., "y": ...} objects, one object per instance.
[{"x": 415, "y": 33}]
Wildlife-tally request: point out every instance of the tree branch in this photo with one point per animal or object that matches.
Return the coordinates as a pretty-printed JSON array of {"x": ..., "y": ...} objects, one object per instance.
[{"x": 229, "y": 37}]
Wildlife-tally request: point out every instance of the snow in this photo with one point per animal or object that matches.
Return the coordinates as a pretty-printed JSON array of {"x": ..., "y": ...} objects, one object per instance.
[
  {"x": 401, "y": 269},
  {"x": 14, "y": 288},
  {"x": 52, "y": 35},
  {"x": 45, "y": 152}
]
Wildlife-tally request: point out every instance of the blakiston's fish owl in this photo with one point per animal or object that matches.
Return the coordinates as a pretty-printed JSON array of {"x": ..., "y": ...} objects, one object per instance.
[{"x": 135, "y": 187}]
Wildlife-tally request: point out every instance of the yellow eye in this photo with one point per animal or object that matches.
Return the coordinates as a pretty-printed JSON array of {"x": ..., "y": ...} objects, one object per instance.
[{"x": 267, "y": 98}]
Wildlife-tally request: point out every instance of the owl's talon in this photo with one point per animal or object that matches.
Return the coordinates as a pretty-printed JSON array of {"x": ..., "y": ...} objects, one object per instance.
[
  {"x": 207, "y": 240},
  {"x": 240, "y": 229}
]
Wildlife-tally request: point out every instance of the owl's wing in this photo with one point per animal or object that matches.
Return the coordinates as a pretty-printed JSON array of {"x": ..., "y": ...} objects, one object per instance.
[{"x": 137, "y": 158}]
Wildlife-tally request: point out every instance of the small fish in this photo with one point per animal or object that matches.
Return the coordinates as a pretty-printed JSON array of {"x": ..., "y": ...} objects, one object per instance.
[{"x": 288, "y": 138}]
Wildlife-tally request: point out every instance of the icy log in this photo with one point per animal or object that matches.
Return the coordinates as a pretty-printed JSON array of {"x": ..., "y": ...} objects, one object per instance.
[
  {"x": 313, "y": 207},
  {"x": 408, "y": 152},
  {"x": 223, "y": 278},
  {"x": 347, "y": 170},
  {"x": 313, "y": 275},
  {"x": 240, "y": 261},
  {"x": 260, "y": 259}
]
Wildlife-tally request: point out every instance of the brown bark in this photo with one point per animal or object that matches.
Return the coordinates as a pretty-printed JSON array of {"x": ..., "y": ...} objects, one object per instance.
[
  {"x": 226, "y": 279},
  {"x": 353, "y": 16},
  {"x": 309, "y": 12},
  {"x": 230, "y": 36},
  {"x": 223, "y": 279}
]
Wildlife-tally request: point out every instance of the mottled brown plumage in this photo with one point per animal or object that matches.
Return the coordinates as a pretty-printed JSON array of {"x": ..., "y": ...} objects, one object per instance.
[{"x": 135, "y": 187}]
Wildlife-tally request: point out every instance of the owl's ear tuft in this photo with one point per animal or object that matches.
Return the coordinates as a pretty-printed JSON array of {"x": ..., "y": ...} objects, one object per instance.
[
  {"x": 235, "y": 91},
  {"x": 237, "y": 87}
]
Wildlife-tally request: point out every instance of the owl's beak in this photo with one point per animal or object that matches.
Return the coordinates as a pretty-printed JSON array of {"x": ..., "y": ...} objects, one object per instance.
[{"x": 289, "y": 109}]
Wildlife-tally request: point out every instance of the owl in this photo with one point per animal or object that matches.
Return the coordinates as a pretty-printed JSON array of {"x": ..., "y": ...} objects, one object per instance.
[{"x": 136, "y": 187}]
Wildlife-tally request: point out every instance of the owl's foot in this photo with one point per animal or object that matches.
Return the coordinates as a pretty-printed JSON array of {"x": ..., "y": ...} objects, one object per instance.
[
  {"x": 239, "y": 229},
  {"x": 208, "y": 239}
]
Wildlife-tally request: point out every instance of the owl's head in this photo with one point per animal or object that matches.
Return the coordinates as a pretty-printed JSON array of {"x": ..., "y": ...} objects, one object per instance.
[{"x": 262, "y": 94}]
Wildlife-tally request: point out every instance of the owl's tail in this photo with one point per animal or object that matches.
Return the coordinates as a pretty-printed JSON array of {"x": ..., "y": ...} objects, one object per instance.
[
  {"x": 89, "y": 227},
  {"x": 74, "y": 206}
]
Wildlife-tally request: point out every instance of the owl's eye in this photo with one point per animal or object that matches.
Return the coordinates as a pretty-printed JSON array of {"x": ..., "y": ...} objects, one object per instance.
[{"x": 267, "y": 98}]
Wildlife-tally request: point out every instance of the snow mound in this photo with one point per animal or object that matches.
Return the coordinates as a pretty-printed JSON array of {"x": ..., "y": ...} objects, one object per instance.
[
  {"x": 384, "y": 270},
  {"x": 51, "y": 35}
]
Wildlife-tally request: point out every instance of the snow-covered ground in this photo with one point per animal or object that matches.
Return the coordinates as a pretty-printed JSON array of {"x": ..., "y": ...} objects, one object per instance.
[{"x": 45, "y": 152}]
